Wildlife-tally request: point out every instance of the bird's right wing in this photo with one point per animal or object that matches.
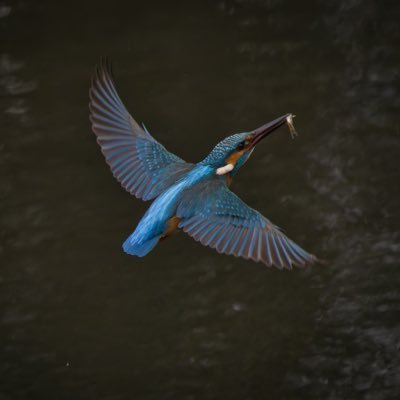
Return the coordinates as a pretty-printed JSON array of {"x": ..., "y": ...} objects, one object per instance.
[
  {"x": 142, "y": 165},
  {"x": 216, "y": 217}
]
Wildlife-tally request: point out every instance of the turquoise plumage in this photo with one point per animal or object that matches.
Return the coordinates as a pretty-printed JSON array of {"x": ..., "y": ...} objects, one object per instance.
[{"x": 192, "y": 197}]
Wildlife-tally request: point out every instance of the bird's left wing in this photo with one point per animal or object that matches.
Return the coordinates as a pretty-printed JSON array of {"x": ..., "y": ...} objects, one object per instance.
[
  {"x": 142, "y": 165},
  {"x": 216, "y": 217}
]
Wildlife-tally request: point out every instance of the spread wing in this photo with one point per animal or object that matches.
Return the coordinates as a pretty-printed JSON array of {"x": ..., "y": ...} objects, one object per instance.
[
  {"x": 142, "y": 165},
  {"x": 216, "y": 217}
]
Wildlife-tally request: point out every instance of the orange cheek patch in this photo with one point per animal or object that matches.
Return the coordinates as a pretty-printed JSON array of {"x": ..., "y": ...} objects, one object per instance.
[{"x": 232, "y": 159}]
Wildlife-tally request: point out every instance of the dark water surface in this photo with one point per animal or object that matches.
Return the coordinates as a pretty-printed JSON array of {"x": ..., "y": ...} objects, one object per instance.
[{"x": 81, "y": 320}]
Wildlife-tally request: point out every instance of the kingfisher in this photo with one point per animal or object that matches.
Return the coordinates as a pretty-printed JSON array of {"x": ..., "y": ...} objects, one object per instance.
[{"x": 194, "y": 198}]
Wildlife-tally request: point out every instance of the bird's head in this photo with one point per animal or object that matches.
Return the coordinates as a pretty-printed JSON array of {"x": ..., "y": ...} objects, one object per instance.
[{"x": 232, "y": 152}]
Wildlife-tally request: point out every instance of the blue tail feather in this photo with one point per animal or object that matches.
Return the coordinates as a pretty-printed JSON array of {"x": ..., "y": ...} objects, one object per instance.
[{"x": 139, "y": 249}]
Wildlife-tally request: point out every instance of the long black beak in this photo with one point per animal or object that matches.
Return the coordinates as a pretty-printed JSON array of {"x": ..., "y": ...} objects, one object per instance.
[{"x": 263, "y": 131}]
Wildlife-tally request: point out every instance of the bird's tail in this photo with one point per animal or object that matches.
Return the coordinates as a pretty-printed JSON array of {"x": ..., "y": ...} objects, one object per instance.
[{"x": 140, "y": 249}]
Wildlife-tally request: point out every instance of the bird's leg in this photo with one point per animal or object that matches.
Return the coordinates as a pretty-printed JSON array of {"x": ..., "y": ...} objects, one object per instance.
[{"x": 172, "y": 227}]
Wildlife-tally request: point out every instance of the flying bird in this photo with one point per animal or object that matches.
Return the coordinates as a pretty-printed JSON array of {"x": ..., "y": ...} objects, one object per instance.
[{"x": 194, "y": 198}]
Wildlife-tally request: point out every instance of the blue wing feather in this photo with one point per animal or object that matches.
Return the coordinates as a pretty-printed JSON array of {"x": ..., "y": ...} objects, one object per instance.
[
  {"x": 216, "y": 217},
  {"x": 142, "y": 165}
]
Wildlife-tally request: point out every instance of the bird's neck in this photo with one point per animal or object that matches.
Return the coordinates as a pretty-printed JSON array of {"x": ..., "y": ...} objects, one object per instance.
[{"x": 212, "y": 170}]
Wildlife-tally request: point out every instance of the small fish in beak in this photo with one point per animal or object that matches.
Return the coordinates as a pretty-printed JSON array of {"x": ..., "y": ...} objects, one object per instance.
[{"x": 289, "y": 120}]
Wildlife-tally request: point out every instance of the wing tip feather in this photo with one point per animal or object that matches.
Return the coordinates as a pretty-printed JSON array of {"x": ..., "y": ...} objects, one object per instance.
[{"x": 271, "y": 248}]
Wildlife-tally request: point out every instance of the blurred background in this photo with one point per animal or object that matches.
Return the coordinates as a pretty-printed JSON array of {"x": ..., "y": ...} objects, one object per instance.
[{"x": 79, "y": 319}]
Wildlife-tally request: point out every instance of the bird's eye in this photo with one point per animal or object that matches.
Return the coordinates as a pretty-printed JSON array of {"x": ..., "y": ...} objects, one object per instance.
[{"x": 241, "y": 146}]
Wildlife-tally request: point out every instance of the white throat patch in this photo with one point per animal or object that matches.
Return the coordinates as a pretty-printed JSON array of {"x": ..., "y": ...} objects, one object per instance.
[{"x": 224, "y": 170}]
